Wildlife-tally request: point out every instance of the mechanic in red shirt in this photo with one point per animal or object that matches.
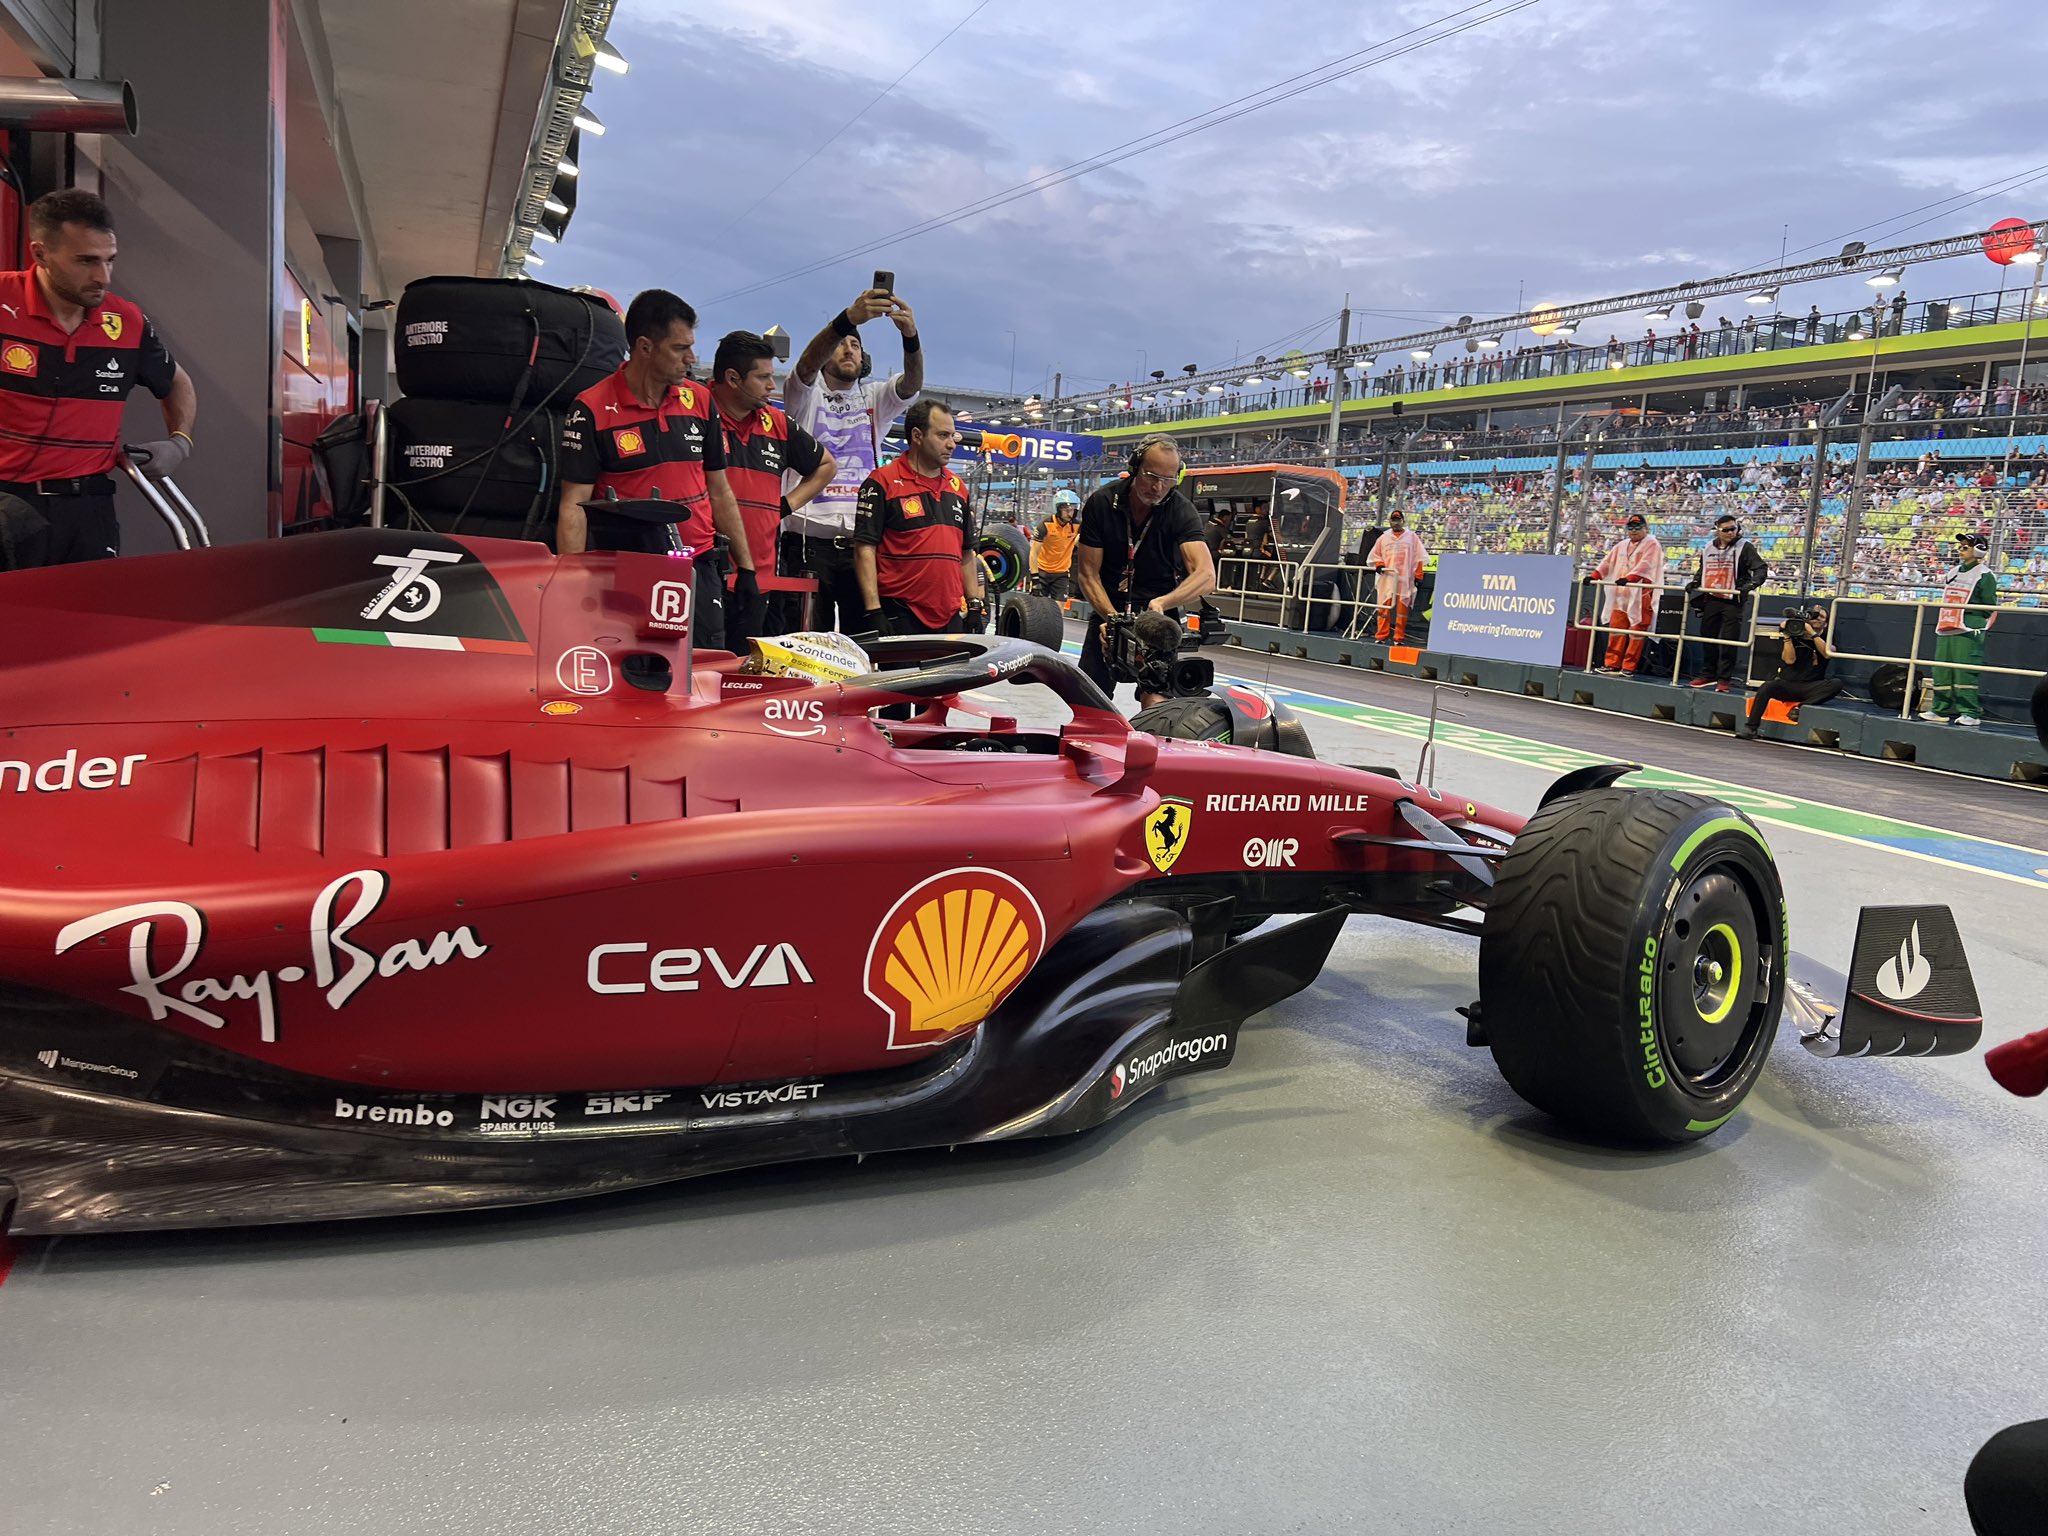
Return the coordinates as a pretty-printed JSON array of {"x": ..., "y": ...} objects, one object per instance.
[
  {"x": 913, "y": 537},
  {"x": 649, "y": 431},
  {"x": 69, "y": 353},
  {"x": 760, "y": 445}
]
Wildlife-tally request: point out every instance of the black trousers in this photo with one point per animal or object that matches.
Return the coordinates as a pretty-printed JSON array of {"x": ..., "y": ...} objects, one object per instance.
[
  {"x": 837, "y": 602},
  {"x": 81, "y": 527},
  {"x": 2006, "y": 1488},
  {"x": 1057, "y": 585},
  {"x": 901, "y": 621},
  {"x": 1720, "y": 619},
  {"x": 1819, "y": 691}
]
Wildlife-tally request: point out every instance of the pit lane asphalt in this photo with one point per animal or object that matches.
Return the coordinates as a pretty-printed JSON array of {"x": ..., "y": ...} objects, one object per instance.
[{"x": 1351, "y": 1283}]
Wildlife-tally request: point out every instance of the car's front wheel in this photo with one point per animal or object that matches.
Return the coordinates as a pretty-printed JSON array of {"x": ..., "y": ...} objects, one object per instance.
[{"x": 1632, "y": 964}]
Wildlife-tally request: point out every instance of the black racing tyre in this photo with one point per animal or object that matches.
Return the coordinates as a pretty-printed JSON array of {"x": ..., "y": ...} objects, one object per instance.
[
  {"x": 497, "y": 340},
  {"x": 1201, "y": 718},
  {"x": 1005, "y": 551},
  {"x": 2040, "y": 708},
  {"x": 451, "y": 460},
  {"x": 1030, "y": 616},
  {"x": 1632, "y": 964}
]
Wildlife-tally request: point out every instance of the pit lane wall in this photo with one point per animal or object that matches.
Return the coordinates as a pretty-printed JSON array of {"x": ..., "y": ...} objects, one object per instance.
[{"x": 2002, "y": 749}]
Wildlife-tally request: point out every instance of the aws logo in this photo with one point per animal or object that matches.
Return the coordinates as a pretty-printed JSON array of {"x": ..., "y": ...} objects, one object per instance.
[{"x": 950, "y": 950}]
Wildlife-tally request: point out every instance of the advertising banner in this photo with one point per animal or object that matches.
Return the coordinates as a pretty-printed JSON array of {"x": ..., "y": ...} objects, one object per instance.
[
  {"x": 1504, "y": 607},
  {"x": 1028, "y": 445}
]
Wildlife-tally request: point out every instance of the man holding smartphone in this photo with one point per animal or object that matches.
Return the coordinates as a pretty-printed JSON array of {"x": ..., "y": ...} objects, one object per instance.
[{"x": 830, "y": 395}]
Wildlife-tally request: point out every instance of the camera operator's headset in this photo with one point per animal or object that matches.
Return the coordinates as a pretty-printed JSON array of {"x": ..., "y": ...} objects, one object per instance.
[{"x": 1132, "y": 466}]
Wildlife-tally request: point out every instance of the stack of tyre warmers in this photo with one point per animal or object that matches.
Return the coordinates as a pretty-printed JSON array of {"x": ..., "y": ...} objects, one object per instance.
[{"x": 488, "y": 367}]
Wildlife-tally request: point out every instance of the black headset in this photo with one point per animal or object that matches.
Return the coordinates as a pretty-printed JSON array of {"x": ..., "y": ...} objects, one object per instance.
[{"x": 1152, "y": 440}]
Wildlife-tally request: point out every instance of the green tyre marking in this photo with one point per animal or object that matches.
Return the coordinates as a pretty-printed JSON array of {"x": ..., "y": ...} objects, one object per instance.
[
  {"x": 1703, "y": 1126},
  {"x": 1718, "y": 824},
  {"x": 1734, "y": 979}
]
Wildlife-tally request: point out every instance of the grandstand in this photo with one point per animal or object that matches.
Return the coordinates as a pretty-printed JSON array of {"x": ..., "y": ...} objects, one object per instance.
[{"x": 1547, "y": 447}]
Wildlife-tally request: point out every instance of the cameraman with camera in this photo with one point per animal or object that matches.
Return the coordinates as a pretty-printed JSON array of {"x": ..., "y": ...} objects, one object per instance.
[
  {"x": 1802, "y": 668},
  {"x": 1141, "y": 550}
]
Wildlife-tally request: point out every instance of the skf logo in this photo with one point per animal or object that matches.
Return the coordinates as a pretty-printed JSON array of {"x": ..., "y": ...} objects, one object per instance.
[
  {"x": 111, "y": 324},
  {"x": 1166, "y": 832},
  {"x": 629, "y": 440},
  {"x": 950, "y": 950},
  {"x": 16, "y": 357},
  {"x": 913, "y": 506}
]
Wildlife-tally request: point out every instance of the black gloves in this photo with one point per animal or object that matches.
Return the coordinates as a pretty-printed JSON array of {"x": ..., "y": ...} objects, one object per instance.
[
  {"x": 873, "y": 625},
  {"x": 977, "y": 616}
]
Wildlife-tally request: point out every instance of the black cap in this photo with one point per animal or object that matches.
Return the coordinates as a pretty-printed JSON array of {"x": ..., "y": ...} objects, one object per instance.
[
  {"x": 1974, "y": 540},
  {"x": 1635, "y": 520}
]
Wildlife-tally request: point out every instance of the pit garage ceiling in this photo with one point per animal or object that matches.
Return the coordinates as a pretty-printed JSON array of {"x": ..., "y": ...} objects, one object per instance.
[{"x": 438, "y": 99}]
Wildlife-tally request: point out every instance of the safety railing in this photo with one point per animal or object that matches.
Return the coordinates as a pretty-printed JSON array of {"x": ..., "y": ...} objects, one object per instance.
[{"x": 1914, "y": 663}]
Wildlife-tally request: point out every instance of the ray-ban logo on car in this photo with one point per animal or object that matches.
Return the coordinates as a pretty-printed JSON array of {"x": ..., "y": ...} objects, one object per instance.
[
  {"x": 410, "y": 595},
  {"x": 1905, "y": 975},
  {"x": 668, "y": 605}
]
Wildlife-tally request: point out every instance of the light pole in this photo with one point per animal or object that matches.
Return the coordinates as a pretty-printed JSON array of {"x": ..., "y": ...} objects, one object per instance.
[
  {"x": 2033, "y": 302},
  {"x": 1013, "y": 360}
]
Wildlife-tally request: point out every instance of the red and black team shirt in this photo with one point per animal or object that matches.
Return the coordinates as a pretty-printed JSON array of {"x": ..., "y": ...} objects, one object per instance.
[
  {"x": 62, "y": 393},
  {"x": 610, "y": 441},
  {"x": 921, "y": 530},
  {"x": 759, "y": 448}
]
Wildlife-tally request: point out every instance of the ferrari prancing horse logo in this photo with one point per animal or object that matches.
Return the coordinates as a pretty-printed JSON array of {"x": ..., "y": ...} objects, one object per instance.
[
  {"x": 1166, "y": 832},
  {"x": 111, "y": 324}
]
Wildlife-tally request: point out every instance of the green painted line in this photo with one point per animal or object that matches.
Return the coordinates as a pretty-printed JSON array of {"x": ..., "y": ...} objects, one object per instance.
[
  {"x": 350, "y": 636},
  {"x": 1718, "y": 824},
  {"x": 1936, "y": 845},
  {"x": 1709, "y": 1125}
]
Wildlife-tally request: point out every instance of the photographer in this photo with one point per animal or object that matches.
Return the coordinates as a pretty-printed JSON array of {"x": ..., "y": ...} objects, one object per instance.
[
  {"x": 1802, "y": 669},
  {"x": 1141, "y": 549}
]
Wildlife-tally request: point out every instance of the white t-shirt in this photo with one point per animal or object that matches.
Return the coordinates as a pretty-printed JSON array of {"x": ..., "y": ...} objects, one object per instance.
[{"x": 850, "y": 425}]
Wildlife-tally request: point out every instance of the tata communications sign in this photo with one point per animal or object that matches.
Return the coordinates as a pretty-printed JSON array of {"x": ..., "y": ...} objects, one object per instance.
[
  {"x": 1504, "y": 607},
  {"x": 1030, "y": 446}
]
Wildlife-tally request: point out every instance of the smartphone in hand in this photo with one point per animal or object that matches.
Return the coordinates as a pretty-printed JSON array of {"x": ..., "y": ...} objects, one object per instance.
[{"x": 885, "y": 282}]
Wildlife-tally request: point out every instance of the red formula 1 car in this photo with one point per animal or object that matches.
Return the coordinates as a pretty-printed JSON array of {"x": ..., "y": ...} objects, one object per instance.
[{"x": 379, "y": 872}]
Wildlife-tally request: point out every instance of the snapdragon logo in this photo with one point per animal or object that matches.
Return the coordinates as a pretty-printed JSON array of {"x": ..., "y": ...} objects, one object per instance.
[{"x": 1139, "y": 1070}]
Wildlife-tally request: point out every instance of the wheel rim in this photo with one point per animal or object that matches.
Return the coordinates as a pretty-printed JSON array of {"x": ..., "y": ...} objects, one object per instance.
[{"x": 1711, "y": 1004}]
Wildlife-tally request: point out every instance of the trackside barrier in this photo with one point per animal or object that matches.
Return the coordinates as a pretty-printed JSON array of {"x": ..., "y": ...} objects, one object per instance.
[{"x": 2002, "y": 749}]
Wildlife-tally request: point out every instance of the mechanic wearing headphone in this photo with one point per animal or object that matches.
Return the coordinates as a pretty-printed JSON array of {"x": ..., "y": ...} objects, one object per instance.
[
  {"x": 829, "y": 395},
  {"x": 1968, "y": 594},
  {"x": 1141, "y": 547},
  {"x": 1730, "y": 569},
  {"x": 1052, "y": 547}
]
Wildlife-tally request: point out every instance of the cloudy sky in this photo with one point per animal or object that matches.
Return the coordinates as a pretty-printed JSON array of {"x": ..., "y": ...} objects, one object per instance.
[{"x": 1571, "y": 149}]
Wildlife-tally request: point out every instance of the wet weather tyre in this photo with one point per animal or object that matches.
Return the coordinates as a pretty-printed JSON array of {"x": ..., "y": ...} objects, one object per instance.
[
  {"x": 1005, "y": 552},
  {"x": 504, "y": 341},
  {"x": 1193, "y": 719},
  {"x": 1632, "y": 964},
  {"x": 1030, "y": 616}
]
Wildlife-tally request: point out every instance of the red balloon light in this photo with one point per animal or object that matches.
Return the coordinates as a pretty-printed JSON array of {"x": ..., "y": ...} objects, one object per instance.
[{"x": 2008, "y": 240}]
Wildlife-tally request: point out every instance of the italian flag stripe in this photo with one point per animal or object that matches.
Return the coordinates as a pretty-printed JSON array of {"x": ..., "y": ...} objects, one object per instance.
[{"x": 407, "y": 642}]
